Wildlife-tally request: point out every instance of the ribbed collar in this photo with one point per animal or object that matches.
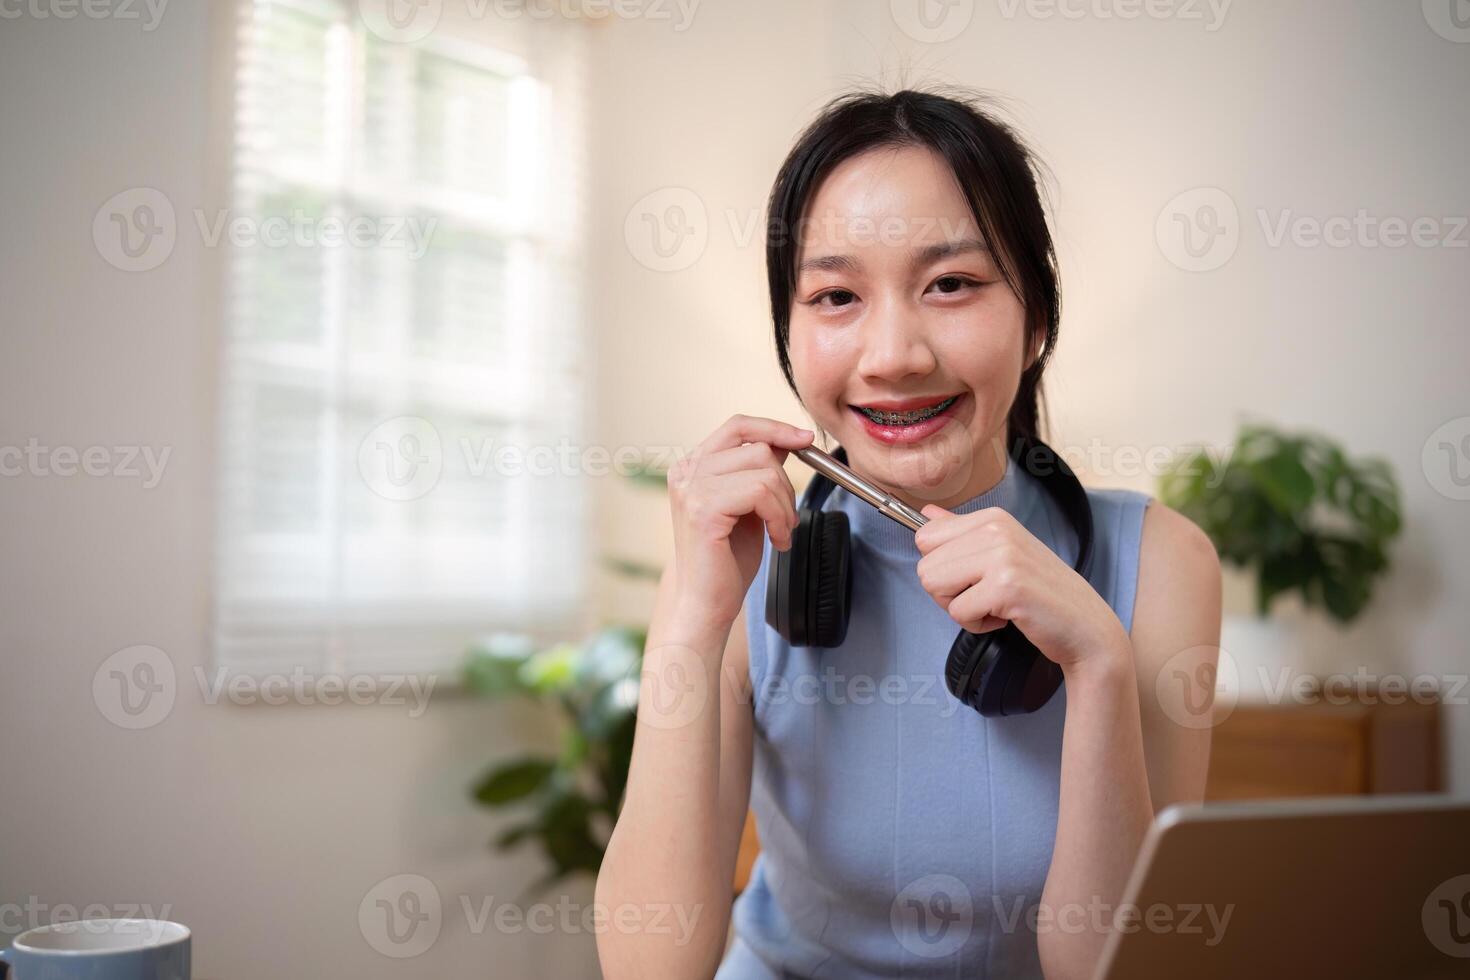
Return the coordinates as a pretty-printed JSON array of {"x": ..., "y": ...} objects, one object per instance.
[{"x": 1014, "y": 493}]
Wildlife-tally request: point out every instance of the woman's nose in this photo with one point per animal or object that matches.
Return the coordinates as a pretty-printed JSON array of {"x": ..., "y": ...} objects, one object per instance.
[{"x": 894, "y": 345}]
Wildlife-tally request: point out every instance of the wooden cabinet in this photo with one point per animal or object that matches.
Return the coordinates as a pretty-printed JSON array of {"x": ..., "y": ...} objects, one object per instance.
[{"x": 1325, "y": 749}]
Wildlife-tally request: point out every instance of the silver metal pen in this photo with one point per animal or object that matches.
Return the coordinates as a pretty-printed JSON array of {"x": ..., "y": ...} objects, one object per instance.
[{"x": 887, "y": 505}]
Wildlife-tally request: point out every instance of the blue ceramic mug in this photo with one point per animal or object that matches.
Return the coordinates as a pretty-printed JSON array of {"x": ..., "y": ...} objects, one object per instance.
[{"x": 99, "y": 949}]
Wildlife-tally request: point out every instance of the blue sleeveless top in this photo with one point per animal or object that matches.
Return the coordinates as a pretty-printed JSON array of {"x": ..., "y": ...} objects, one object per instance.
[{"x": 902, "y": 833}]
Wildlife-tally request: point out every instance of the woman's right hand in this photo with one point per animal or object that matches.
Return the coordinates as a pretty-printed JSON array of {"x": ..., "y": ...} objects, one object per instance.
[{"x": 725, "y": 498}]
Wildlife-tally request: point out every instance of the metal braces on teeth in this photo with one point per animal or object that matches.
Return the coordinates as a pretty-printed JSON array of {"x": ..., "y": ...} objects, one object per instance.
[{"x": 907, "y": 418}]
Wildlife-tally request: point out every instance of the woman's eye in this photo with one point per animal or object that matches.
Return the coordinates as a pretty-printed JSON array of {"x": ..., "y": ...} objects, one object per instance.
[
  {"x": 839, "y": 297},
  {"x": 953, "y": 284}
]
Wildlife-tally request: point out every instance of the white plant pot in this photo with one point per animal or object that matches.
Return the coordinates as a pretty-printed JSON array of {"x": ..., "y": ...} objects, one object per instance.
[{"x": 1259, "y": 657}]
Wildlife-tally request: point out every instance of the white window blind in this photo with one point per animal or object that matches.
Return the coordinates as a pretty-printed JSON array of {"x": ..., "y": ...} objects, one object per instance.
[{"x": 402, "y": 304}]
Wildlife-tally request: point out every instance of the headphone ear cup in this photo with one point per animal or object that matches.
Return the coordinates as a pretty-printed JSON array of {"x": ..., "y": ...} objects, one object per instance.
[
  {"x": 1001, "y": 672},
  {"x": 970, "y": 662},
  {"x": 831, "y": 580},
  {"x": 1039, "y": 679},
  {"x": 1019, "y": 664},
  {"x": 785, "y": 582}
]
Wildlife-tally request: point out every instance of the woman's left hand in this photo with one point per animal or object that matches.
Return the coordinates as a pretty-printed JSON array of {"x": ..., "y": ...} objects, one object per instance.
[{"x": 986, "y": 569}]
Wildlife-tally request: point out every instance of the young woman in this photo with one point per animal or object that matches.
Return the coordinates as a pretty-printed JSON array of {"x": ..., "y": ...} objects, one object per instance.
[{"x": 914, "y": 290}]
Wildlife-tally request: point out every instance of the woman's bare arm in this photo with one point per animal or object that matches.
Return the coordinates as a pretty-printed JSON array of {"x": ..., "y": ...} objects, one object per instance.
[
  {"x": 672, "y": 854},
  {"x": 1176, "y": 643},
  {"x": 1124, "y": 751}
]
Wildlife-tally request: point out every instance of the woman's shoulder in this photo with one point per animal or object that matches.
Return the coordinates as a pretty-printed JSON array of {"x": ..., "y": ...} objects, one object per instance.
[
  {"x": 1177, "y": 561},
  {"x": 1136, "y": 523},
  {"x": 1161, "y": 566},
  {"x": 1142, "y": 548}
]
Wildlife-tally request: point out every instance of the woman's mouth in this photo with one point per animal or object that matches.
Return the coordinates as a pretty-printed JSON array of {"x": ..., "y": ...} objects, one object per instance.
[{"x": 908, "y": 421}]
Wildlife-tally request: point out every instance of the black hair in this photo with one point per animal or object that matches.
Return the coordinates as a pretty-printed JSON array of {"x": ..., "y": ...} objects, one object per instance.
[{"x": 995, "y": 169}]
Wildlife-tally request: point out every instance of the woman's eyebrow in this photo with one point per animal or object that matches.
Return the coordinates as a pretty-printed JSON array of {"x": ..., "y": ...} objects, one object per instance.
[
  {"x": 943, "y": 250},
  {"x": 927, "y": 255},
  {"x": 829, "y": 263}
]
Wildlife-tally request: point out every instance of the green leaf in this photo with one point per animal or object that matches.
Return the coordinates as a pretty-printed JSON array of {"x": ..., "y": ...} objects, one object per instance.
[
  {"x": 566, "y": 833},
  {"x": 513, "y": 781},
  {"x": 514, "y": 835},
  {"x": 632, "y": 569},
  {"x": 613, "y": 704},
  {"x": 492, "y": 666},
  {"x": 613, "y": 773},
  {"x": 552, "y": 670},
  {"x": 614, "y": 653},
  {"x": 1285, "y": 481},
  {"x": 1187, "y": 480},
  {"x": 573, "y": 750},
  {"x": 648, "y": 474}
]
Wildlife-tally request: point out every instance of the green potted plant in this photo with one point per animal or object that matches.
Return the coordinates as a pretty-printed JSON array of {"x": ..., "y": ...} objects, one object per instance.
[
  {"x": 1300, "y": 518},
  {"x": 568, "y": 800}
]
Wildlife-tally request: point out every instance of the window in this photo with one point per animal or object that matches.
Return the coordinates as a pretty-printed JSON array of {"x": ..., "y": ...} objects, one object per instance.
[{"x": 401, "y": 321}]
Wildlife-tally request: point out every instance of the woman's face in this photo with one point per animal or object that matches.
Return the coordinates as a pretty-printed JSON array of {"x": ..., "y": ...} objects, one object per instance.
[{"x": 900, "y": 310}]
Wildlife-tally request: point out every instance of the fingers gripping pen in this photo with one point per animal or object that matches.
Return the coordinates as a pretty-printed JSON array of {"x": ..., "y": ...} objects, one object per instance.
[{"x": 886, "y": 503}]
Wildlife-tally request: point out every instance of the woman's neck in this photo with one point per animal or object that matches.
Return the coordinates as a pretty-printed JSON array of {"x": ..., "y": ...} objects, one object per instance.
[
  {"x": 1004, "y": 485},
  {"x": 991, "y": 461}
]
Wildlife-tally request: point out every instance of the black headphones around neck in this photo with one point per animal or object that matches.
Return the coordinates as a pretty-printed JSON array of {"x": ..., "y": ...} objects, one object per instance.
[{"x": 809, "y": 593}]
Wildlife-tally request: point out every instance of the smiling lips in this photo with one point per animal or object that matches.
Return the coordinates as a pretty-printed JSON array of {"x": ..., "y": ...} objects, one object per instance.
[{"x": 907, "y": 421}]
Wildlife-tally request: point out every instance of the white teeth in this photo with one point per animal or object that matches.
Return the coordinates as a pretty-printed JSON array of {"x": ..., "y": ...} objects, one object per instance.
[{"x": 907, "y": 418}]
